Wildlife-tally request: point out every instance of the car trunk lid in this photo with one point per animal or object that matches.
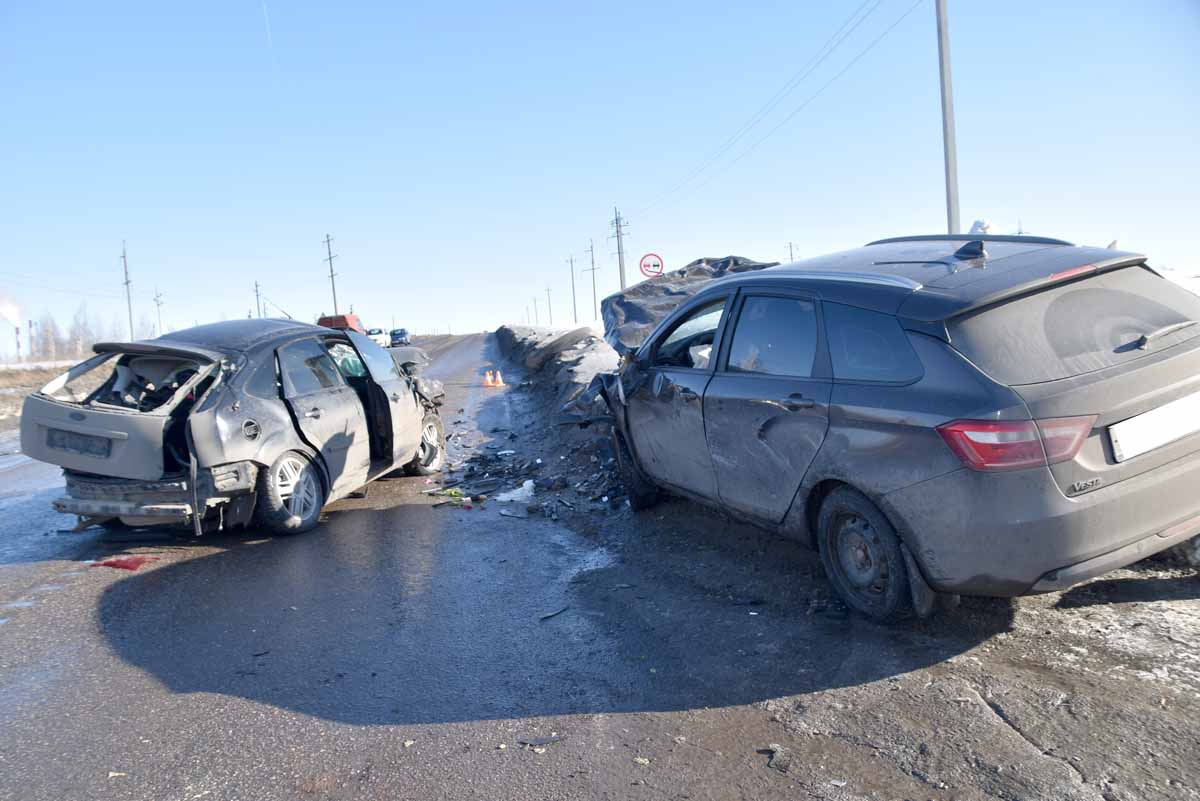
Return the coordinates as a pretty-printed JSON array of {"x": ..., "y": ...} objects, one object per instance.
[
  {"x": 68, "y": 423},
  {"x": 1118, "y": 345}
]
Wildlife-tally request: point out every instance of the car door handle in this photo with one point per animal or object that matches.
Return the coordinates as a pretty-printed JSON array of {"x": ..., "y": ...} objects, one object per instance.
[
  {"x": 313, "y": 413},
  {"x": 686, "y": 394},
  {"x": 795, "y": 402}
]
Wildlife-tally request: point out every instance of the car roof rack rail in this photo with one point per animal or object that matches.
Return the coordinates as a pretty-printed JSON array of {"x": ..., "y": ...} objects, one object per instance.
[{"x": 1032, "y": 240}]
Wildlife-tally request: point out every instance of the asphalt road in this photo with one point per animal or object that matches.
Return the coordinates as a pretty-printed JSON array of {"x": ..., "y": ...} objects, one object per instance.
[{"x": 402, "y": 650}]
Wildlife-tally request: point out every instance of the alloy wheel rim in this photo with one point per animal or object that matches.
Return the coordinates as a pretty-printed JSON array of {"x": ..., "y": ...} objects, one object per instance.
[
  {"x": 429, "y": 444},
  {"x": 297, "y": 487}
]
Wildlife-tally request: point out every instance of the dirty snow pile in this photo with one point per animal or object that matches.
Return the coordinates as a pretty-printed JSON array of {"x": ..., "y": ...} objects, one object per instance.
[{"x": 569, "y": 359}]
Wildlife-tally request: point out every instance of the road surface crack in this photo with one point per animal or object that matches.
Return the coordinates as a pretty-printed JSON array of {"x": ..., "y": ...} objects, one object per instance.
[{"x": 1003, "y": 717}]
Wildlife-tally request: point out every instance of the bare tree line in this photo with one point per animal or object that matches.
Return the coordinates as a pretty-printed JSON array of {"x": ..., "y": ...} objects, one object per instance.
[{"x": 45, "y": 340}]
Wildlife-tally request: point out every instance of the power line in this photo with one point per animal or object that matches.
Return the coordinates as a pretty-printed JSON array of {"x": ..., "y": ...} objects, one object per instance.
[
  {"x": 617, "y": 223},
  {"x": 329, "y": 258},
  {"x": 818, "y": 58},
  {"x": 128, "y": 297},
  {"x": 574, "y": 306},
  {"x": 591, "y": 249},
  {"x": 158, "y": 302},
  {"x": 815, "y": 94}
]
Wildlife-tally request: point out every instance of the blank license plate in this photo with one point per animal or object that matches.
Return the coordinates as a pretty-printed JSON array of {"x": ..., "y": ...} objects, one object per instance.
[
  {"x": 1155, "y": 428},
  {"x": 85, "y": 444}
]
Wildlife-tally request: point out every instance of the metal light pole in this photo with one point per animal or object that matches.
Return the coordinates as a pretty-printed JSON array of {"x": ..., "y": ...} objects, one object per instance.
[{"x": 948, "y": 146}]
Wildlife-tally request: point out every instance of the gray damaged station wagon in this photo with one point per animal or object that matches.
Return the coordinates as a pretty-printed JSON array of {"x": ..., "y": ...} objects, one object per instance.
[
  {"x": 246, "y": 421},
  {"x": 936, "y": 414}
]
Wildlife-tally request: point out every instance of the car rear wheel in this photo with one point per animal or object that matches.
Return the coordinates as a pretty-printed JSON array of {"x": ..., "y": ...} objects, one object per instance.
[
  {"x": 290, "y": 495},
  {"x": 642, "y": 492},
  {"x": 862, "y": 556},
  {"x": 431, "y": 454}
]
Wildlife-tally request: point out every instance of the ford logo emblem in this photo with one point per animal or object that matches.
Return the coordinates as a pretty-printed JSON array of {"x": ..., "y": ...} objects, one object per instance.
[{"x": 78, "y": 416}]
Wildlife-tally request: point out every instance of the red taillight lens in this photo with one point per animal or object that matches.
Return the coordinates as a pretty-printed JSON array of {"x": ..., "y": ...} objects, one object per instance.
[
  {"x": 1014, "y": 444},
  {"x": 1064, "y": 436}
]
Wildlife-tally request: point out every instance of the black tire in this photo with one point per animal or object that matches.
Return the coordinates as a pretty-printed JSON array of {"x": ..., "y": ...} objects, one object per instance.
[
  {"x": 862, "y": 557},
  {"x": 642, "y": 492},
  {"x": 278, "y": 508},
  {"x": 431, "y": 455}
]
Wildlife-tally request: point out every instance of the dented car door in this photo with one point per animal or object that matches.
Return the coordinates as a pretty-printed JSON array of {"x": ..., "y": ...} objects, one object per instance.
[
  {"x": 665, "y": 407},
  {"x": 766, "y": 410},
  {"x": 328, "y": 413}
]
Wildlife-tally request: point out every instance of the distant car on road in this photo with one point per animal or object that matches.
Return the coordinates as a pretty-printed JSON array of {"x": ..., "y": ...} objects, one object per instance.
[
  {"x": 982, "y": 415},
  {"x": 400, "y": 338},
  {"x": 236, "y": 422},
  {"x": 378, "y": 336}
]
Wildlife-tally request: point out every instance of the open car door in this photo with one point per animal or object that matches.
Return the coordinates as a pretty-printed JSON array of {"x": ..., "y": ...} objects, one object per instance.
[{"x": 398, "y": 395}]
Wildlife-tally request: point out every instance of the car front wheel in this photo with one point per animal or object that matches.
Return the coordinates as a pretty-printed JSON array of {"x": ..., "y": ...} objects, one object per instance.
[
  {"x": 431, "y": 454},
  {"x": 862, "y": 556},
  {"x": 642, "y": 492},
  {"x": 290, "y": 495}
]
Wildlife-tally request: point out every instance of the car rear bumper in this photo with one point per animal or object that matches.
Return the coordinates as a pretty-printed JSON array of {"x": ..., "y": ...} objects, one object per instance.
[
  {"x": 143, "y": 512},
  {"x": 1008, "y": 534}
]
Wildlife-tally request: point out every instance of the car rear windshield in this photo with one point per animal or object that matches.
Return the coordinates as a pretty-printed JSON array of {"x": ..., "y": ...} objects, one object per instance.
[{"x": 1078, "y": 327}]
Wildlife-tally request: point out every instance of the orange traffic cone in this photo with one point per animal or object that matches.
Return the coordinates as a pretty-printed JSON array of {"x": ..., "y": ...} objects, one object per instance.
[
  {"x": 487, "y": 379},
  {"x": 499, "y": 380}
]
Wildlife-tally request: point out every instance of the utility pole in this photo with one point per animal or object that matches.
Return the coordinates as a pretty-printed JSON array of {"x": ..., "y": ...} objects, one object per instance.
[
  {"x": 536, "y": 321},
  {"x": 574, "y": 307},
  {"x": 618, "y": 224},
  {"x": 791, "y": 255},
  {"x": 128, "y": 296},
  {"x": 158, "y": 301},
  {"x": 949, "y": 149},
  {"x": 329, "y": 257},
  {"x": 592, "y": 253},
  {"x": 549, "y": 310},
  {"x": 258, "y": 304}
]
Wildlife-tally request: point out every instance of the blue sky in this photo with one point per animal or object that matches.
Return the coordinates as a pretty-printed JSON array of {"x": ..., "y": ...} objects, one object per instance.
[{"x": 459, "y": 153}]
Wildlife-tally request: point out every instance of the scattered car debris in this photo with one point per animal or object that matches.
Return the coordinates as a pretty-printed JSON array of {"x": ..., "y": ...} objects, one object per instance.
[
  {"x": 523, "y": 494},
  {"x": 519, "y": 514},
  {"x": 781, "y": 758},
  {"x": 554, "y": 614}
]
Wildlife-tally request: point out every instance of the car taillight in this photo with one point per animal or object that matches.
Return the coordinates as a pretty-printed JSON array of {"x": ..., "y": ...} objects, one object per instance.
[{"x": 1014, "y": 444}]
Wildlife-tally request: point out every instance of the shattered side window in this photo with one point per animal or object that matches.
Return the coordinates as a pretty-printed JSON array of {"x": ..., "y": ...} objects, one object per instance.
[
  {"x": 82, "y": 381},
  {"x": 690, "y": 343}
]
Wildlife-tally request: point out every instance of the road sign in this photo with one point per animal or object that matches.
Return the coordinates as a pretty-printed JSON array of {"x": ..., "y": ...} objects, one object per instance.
[{"x": 651, "y": 265}]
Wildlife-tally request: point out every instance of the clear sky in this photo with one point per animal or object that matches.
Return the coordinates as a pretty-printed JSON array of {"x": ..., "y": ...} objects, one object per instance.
[{"x": 460, "y": 153}]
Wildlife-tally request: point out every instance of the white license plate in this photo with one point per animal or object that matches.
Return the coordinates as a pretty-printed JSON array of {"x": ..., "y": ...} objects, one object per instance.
[{"x": 1155, "y": 428}]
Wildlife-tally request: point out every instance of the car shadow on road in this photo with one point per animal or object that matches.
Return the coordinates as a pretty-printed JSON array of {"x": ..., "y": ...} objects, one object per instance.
[
  {"x": 414, "y": 614},
  {"x": 1141, "y": 589}
]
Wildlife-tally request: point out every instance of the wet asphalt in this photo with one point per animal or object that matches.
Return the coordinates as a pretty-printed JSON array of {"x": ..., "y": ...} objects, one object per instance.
[{"x": 407, "y": 651}]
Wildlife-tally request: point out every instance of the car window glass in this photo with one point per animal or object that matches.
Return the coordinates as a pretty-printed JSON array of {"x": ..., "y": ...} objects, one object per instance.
[
  {"x": 775, "y": 336},
  {"x": 264, "y": 381},
  {"x": 690, "y": 343},
  {"x": 869, "y": 346},
  {"x": 346, "y": 359},
  {"x": 379, "y": 361},
  {"x": 308, "y": 368},
  {"x": 1077, "y": 327}
]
